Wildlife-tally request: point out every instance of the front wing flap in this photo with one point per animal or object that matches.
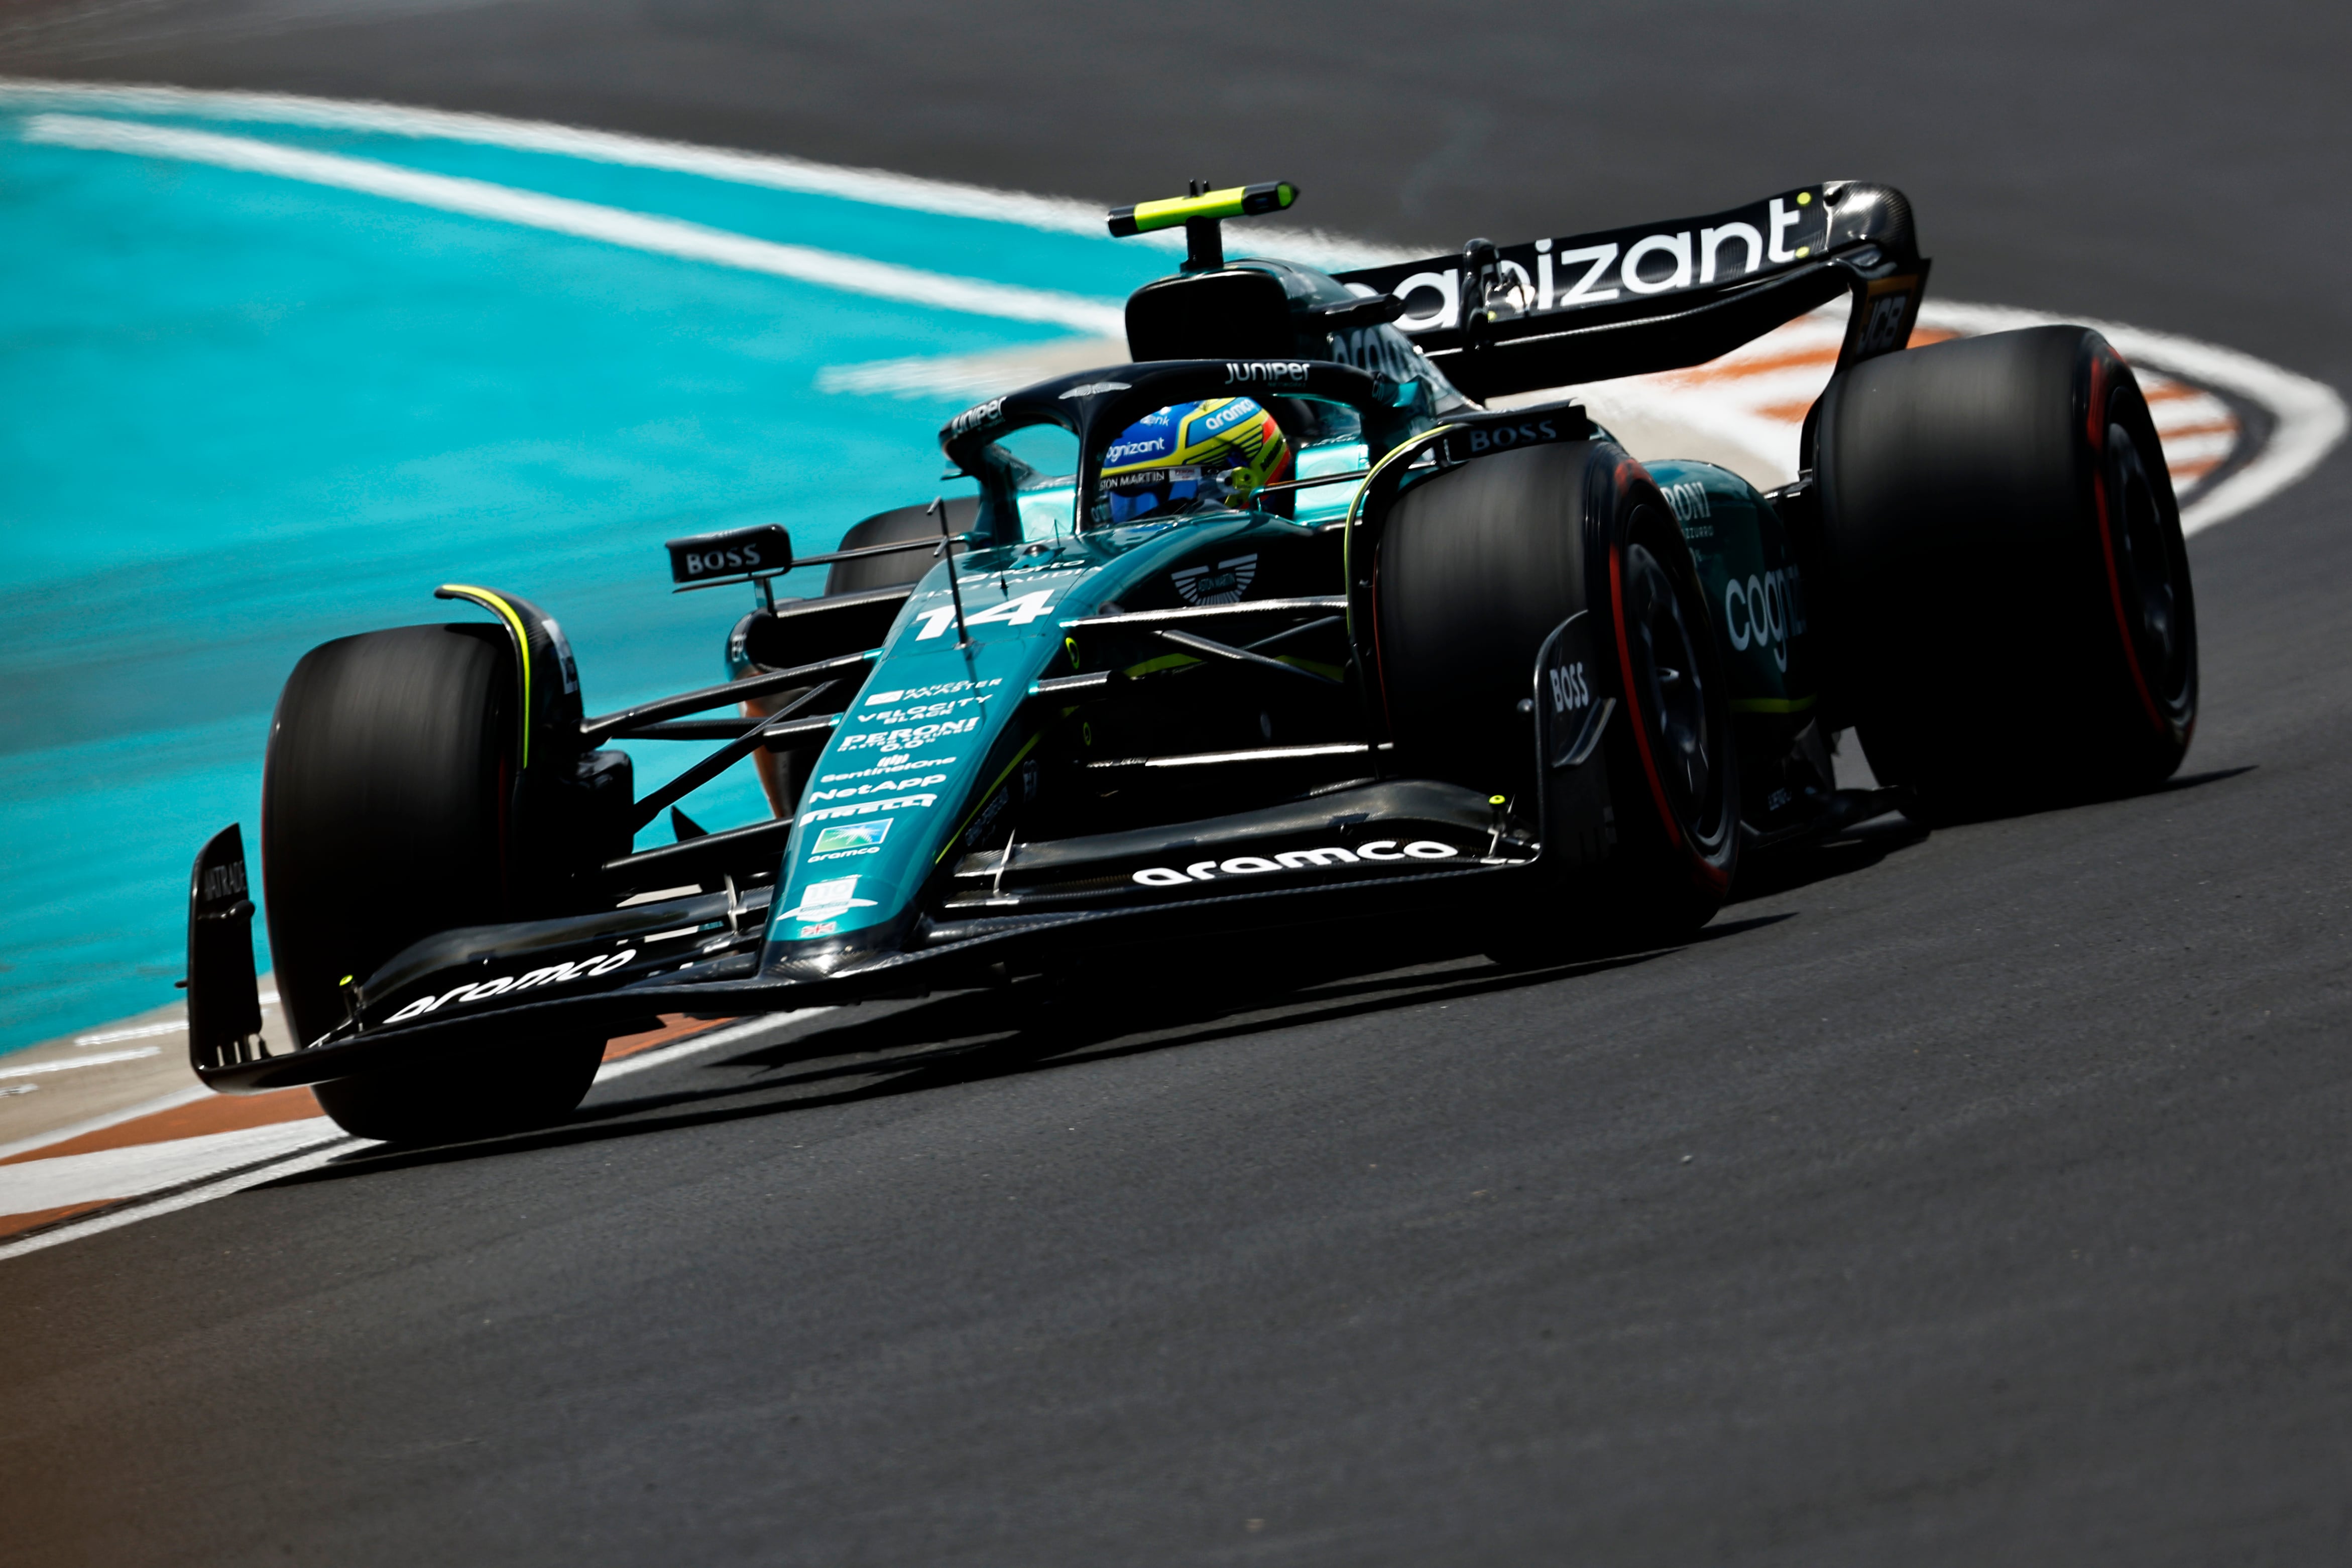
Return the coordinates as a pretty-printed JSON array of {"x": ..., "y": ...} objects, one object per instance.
[{"x": 962, "y": 954}]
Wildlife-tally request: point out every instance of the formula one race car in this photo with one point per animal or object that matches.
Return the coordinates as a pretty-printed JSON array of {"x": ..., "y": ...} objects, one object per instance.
[{"x": 1315, "y": 612}]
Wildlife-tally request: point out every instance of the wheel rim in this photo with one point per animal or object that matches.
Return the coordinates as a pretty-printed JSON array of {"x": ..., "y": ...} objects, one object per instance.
[
  {"x": 1669, "y": 680},
  {"x": 2148, "y": 569}
]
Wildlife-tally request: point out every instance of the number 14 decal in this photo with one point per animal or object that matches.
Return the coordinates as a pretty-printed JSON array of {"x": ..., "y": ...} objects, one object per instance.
[{"x": 1013, "y": 612}]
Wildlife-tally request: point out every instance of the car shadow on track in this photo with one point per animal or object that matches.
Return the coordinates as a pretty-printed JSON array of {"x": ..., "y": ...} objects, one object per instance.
[
  {"x": 1793, "y": 866},
  {"x": 2192, "y": 780},
  {"x": 879, "y": 1052},
  {"x": 1788, "y": 867},
  {"x": 887, "y": 1050}
]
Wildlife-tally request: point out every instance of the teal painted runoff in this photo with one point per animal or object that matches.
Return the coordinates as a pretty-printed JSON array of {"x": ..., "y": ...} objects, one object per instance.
[{"x": 248, "y": 413}]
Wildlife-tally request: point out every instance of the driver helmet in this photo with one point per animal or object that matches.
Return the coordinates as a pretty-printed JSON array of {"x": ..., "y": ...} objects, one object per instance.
[{"x": 1192, "y": 457}]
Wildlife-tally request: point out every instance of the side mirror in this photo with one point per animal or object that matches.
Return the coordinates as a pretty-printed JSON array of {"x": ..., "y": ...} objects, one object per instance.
[{"x": 729, "y": 555}]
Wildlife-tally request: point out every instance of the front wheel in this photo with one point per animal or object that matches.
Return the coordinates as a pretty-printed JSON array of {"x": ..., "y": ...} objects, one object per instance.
[
  {"x": 1477, "y": 567},
  {"x": 386, "y": 802},
  {"x": 516, "y": 1088}
]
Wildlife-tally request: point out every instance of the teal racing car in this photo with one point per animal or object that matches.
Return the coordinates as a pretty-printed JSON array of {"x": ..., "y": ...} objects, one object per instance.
[{"x": 1329, "y": 607}]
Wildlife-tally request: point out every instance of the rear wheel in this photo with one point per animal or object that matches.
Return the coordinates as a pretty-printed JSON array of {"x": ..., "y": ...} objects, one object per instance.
[
  {"x": 384, "y": 809},
  {"x": 1477, "y": 567},
  {"x": 895, "y": 526},
  {"x": 2012, "y": 592}
]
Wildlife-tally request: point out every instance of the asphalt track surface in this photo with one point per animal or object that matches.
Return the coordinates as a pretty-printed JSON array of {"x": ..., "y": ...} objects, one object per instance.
[{"x": 1959, "y": 1196}]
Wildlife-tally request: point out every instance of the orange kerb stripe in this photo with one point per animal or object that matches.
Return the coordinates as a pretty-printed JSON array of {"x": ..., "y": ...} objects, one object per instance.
[
  {"x": 17, "y": 1223},
  {"x": 1730, "y": 368},
  {"x": 675, "y": 1026},
  {"x": 1733, "y": 366},
  {"x": 1794, "y": 412},
  {"x": 221, "y": 1113},
  {"x": 2193, "y": 467},
  {"x": 2210, "y": 427},
  {"x": 235, "y": 1112},
  {"x": 2168, "y": 391}
]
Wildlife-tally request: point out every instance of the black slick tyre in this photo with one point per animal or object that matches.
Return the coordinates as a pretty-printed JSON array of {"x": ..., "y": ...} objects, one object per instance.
[
  {"x": 897, "y": 526},
  {"x": 1476, "y": 569},
  {"x": 2012, "y": 591},
  {"x": 384, "y": 807}
]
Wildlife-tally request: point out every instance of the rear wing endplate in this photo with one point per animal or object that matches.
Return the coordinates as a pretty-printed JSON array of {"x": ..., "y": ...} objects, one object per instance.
[{"x": 1499, "y": 319}]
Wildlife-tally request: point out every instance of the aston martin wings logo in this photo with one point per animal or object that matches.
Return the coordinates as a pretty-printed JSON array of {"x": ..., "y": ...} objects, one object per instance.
[
  {"x": 1096, "y": 388},
  {"x": 1224, "y": 584}
]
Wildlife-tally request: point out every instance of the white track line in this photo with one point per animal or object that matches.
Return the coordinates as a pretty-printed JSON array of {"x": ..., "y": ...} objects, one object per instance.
[
  {"x": 134, "y": 1170},
  {"x": 314, "y": 1145},
  {"x": 68, "y": 1064},
  {"x": 145, "y": 1032},
  {"x": 585, "y": 220},
  {"x": 971, "y": 376},
  {"x": 203, "y": 1191},
  {"x": 877, "y": 187}
]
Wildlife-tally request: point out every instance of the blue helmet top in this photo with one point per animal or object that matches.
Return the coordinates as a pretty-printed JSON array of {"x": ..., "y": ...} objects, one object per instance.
[{"x": 1193, "y": 456}]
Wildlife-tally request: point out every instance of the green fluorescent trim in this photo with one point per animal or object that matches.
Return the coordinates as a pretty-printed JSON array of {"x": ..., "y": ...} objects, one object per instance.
[
  {"x": 1234, "y": 202},
  {"x": 504, "y": 611},
  {"x": 1153, "y": 666},
  {"x": 984, "y": 794}
]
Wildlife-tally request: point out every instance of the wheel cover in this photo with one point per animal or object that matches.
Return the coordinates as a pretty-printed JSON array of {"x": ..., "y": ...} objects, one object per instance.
[
  {"x": 2148, "y": 569},
  {"x": 1669, "y": 682}
]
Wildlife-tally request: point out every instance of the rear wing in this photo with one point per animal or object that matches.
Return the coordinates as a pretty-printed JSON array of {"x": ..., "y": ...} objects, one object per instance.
[{"x": 1499, "y": 319}]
